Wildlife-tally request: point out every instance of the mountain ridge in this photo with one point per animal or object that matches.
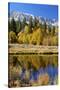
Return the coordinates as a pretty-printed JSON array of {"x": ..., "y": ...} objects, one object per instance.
[{"x": 20, "y": 16}]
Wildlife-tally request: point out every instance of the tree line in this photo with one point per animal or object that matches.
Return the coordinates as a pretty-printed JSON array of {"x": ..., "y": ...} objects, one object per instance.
[{"x": 32, "y": 32}]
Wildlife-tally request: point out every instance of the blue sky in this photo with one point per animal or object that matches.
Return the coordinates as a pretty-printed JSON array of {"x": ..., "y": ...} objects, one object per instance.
[{"x": 48, "y": 11}]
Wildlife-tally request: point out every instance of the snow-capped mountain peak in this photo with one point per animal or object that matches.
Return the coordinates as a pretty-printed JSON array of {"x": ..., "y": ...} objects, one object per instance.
[{"x": 20, "y": 16}]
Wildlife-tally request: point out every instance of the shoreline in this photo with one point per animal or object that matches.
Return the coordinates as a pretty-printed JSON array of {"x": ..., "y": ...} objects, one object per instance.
[{"x": 31, "y": 49}]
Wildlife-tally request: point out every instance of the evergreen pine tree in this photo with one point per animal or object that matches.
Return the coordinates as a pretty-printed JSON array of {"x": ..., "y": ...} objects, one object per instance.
[{"x": 13, "y": 26}]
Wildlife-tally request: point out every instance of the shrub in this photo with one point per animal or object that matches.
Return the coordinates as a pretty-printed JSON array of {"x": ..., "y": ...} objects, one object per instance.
[{"x": 12, "y": 37}]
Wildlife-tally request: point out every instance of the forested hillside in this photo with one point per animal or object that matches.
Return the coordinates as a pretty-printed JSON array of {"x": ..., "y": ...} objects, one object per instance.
[{"x": 32, "y": 30}]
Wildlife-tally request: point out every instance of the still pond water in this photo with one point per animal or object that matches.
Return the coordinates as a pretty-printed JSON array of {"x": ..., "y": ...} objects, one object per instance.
[{"x": 33, "y": 70}]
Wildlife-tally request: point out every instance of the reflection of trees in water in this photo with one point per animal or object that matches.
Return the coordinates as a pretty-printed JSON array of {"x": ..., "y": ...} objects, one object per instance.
[
  {"x": 21, "y": 65},
  {"x": 33, "y": 60}
]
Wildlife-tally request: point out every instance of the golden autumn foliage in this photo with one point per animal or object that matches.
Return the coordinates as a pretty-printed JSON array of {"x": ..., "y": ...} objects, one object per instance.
[
  {"x": 54, "y": 40},
  {"x": 36, "y": 37},
  {"x": 32, "y": 38},
  {"x": 12, "y": 37}
]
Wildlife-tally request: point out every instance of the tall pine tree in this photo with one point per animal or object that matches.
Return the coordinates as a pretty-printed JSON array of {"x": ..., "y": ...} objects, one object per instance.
[{"x": 13, "y": 26}]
